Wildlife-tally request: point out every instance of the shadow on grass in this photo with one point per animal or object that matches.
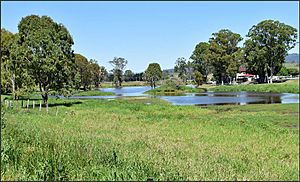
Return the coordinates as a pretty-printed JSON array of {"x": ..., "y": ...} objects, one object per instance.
[{"x": 67, "y": 104}]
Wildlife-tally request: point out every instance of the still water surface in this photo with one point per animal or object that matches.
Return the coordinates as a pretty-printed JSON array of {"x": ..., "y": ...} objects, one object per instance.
[{"x": 206, "y": 98}]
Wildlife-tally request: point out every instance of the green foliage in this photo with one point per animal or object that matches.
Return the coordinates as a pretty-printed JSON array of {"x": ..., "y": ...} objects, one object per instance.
[
  {"x": 181, "y": 68},
  {"x": 293, "y": 71},
  {"x": 153, "y": 73},
  {"x": 7, "y": 40},
  {"x": 128, "y": 74},
  {"x": 133, "y": 140},
  {"x": 83, "y": 71},
  {"x": 268, "y": 44},
  {"x": 97, "y": 72},
  {"x": 283, "y": 71},
  {"x": 173, "y": 87},
  {"x": 46, "y": 45},
  {"x": 198, "y": 78},
  {"x": 225, "y": 55},
  {"x": 15, "y": 77},
  {"x": 201, "y": 60},
  {"x": 119, "y": 64}
]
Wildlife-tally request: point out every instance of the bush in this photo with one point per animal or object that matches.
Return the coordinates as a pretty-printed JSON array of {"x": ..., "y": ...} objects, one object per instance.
[
  {"x": 283, "y": 71},
  {"x": 293, "y": 71}
]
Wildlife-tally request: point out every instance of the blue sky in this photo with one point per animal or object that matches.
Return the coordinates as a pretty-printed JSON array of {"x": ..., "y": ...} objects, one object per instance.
[{"x": 145, "y": 32}]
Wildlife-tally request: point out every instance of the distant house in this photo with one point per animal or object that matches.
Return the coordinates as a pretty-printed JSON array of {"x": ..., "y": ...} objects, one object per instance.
[{"x": 244, "y": 76}]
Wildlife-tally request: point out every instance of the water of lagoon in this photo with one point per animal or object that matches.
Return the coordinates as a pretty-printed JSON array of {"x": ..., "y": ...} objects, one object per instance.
[{"x": 205, "y": 98}]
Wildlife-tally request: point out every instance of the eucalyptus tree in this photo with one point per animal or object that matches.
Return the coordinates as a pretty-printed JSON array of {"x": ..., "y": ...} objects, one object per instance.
[
  {"x": 153, "y": 73},
  {"x": 129, "y": 75},
  {"x": 119, "y": 65},
  {"x": 7, "y": 40},
  {"x": 268, "y": 44},
  {"x": 224, "y": 55},
  {"x": 201, "y": 61},
  {"x": 96, "y": 72},
  {"x": 103, "y": 74},
  {"x": 84, "y": 71},
  {"x": 14, "y": 72},
  {"x": 49, "y": 55},
  {"x": 181, "y": 68}
]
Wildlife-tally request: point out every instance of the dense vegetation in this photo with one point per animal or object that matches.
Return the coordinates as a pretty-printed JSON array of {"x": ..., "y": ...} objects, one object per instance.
[{"x": 134, "y": 139}]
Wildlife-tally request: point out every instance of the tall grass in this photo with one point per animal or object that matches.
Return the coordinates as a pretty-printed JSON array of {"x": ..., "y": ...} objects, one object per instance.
[{"x": 136, "y": 139}]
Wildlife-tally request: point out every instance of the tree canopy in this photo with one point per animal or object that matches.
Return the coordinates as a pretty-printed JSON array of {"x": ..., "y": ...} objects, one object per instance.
[
  {"x": 119, "y": 65},
  {"x": 181, "y": 68},
  {"x": 267, "y": 46},
  {"x": 47, "y": 47},
  {"x": 225, "y": 55},
  {"x": 153, "y": 73},
  {"x": 201, "y": 60}
]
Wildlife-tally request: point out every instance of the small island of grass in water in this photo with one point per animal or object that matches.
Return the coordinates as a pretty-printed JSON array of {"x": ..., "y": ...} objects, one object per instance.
[{"x": 173, "y": 87}]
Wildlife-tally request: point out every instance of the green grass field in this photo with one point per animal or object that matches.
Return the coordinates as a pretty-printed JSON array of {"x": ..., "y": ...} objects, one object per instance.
[
  {"x": 292, "y": 65},
  {"x": 291, "y": 86},
  {"x": 139, "y": 138}
]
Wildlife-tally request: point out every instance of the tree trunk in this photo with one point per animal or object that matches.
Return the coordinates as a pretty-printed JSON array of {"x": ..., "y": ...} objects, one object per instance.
[
  {"x": 45, "y": 100},
  {"x": 13, "y": 78},
  {"x": 271, "y": 75}
]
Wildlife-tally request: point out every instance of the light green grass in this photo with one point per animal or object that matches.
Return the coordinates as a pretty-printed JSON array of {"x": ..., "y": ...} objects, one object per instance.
[
  {"x": 92, "y": 93},
  {"x": 292, "y": 65},
  {"x": 130, "y": 139},
  {"x": 291, "y": 86}
]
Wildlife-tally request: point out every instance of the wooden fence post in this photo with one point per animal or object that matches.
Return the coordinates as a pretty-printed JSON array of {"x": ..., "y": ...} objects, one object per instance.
[
  {"x": 33, "y": 104},
  {"x": 28, "y": 104},
  {"x": 40, "y": 106},
  {"x": 17, "y": 104},
  {"x": 56, "y": 111}
]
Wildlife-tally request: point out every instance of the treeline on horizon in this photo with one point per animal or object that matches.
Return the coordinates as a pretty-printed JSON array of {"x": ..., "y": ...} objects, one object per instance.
[{"x": 40, "y": 56}]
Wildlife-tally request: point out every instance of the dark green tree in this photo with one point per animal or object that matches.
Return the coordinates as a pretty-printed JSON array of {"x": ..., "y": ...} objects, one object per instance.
[
  {"x": 119, "y": 64},
  {"x": 153, "y": 73},
  {"x": 96, "y": 72},
  {"x": 181, "y": 68},
  {"x": 267, "y": 46},
  {"x": 14, "y": 72},
  {"x": 198, "y": 77},
  {"x": 201, "y": 60},
  {"x": 293, "y": 71},
  {"x": 49, "y": 54},
  {"x": 7, "y": 40},
  {"x": 283, "y": 71},
  {"x": 129, "y": 75},
  {"x": 225, "y": 55},
  {"x": 103, "y": 74},
  {"x": 84, "y": 71}
]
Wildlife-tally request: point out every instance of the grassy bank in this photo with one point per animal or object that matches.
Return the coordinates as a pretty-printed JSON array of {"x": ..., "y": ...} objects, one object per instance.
[
  {"x": 92, "y": 93},
  {"x": 165, "y": 90},
  {"x": 136, "y": 139},
  {"x": 291, "y": 86},
  {"x": 125, "y": 84}
]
